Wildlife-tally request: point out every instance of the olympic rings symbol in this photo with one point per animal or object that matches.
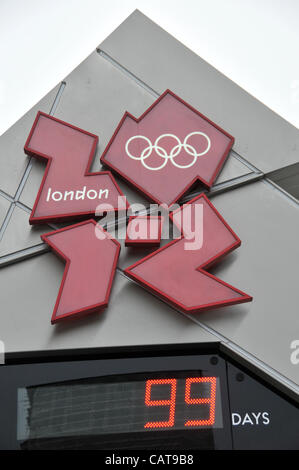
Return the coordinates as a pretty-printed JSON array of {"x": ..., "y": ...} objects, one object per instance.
[{"x": 147, "y": 151}]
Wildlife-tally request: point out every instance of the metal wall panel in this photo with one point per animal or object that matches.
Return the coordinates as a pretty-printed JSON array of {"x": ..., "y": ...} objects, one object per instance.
[
  {"x": 19, "y": 234},
  {"x": 95, "y": 97},
  {"x": 266, "y": 266},
  {"x": 134, "y": 317},
  {"x": 262, "y": 137},
  {"x": 140, "y": 60},
  {"x": 13, "y": 161},
  {"x": 4, "y": 206}
]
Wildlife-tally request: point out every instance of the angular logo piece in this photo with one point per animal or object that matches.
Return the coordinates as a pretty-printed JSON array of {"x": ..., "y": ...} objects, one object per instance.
[
  {"x": 89, "y": 271},
  {"x": 69, "y": 190},
  {"x": 168, "y": 149},
  {"x": 178, "y": 275},
  {"x": 144, "y": 231}
]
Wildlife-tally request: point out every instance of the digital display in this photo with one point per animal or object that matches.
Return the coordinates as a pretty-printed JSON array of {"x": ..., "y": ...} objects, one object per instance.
[
  {"x": 202, "y": 397},
  {"x": 156, "y": 402},
  {"x": 122, "y": 404}
]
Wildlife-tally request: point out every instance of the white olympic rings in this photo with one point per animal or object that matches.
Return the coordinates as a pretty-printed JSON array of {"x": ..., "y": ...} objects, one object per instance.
[{"x": 147, "y": 151}]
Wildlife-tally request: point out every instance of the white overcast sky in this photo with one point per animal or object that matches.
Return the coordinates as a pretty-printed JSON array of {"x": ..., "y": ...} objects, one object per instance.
[{"x": 253, "y": 42}]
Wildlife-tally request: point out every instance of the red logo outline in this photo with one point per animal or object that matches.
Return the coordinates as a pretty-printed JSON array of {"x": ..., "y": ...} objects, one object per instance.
[
  {"x": 202, "y": 268},
  {"x": 138, "y": 187},
  {"x": 98, "y": 307},
  {"x": 69, "y": 216},
  {"x": 144, "y": 242}
]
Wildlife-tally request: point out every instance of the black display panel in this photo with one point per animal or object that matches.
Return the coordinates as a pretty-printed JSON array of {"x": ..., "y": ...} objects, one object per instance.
[
  {"x": 261, "y": 419},
  {"x": 179, "y": 402},
  {"x": 174, "y": 402},
  {"x": 117, "y": 405}
]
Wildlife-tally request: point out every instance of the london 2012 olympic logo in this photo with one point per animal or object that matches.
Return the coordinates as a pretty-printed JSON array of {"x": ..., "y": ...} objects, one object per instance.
[{"x": 175, "y": 151}]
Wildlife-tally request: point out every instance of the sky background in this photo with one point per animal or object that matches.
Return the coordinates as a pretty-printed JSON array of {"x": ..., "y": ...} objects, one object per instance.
[{"x": 254, "y": 42}]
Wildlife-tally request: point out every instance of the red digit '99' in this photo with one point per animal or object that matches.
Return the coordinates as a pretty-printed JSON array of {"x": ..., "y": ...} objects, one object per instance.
[{"x": 189, "y": 400}]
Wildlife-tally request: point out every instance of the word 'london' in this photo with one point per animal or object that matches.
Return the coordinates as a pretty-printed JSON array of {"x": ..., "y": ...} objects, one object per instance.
[{"x": 77, "y": 195}]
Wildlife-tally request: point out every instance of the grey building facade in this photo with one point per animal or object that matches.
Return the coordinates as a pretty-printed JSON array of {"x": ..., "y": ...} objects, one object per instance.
[{"x": 256, "y": 192}]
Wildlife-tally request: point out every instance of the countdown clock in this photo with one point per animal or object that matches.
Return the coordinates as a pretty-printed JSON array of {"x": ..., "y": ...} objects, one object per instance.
[{"x": 159, "y": 400}]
